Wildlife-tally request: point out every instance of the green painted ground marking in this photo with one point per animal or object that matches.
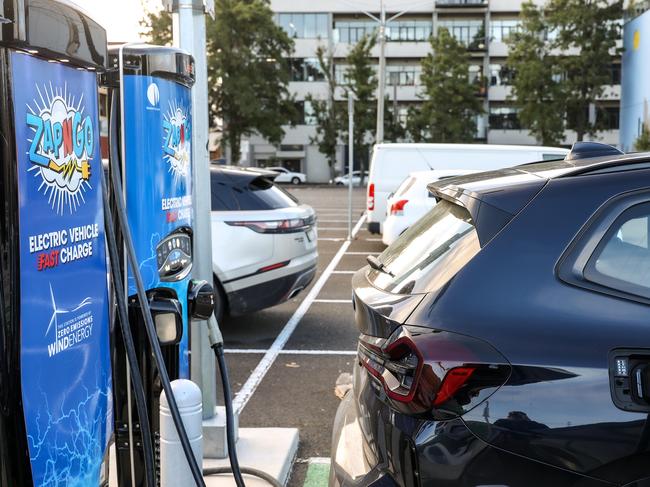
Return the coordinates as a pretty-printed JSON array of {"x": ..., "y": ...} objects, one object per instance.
[{"x": 317, "y": 475}]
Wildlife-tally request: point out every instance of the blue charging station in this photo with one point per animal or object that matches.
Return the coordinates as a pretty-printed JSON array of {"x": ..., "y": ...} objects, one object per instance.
[
  {"x": 56, "y": 402},
  {"x": 156, "y": 134}
]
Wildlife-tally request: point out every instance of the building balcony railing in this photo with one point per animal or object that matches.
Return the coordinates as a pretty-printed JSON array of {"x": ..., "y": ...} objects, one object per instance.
[{"x": 461, "y": 3}]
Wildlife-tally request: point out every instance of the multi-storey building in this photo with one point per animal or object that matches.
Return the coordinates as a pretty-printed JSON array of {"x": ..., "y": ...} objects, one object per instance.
[{"x": 482, "y": 25}]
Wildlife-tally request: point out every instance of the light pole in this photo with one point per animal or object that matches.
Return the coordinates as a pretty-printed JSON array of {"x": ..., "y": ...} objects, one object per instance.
[{"x": 381, "y": 75}]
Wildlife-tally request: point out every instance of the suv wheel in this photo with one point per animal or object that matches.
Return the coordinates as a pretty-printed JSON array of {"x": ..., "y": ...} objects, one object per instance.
[{"x": 295, "y": 180}]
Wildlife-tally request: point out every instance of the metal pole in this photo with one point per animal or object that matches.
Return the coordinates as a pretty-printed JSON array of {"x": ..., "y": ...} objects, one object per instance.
[
  {"x": 189, "y": 34},
  {"x": 350, "y": 159},
  {"x": 381, "y": 74}
]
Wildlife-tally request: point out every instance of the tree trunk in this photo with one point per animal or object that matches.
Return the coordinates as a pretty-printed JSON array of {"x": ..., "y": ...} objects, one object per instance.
[{"x": 234, "y": 141}]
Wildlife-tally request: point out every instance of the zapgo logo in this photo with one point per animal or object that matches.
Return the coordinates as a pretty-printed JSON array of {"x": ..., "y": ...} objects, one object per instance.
[
  {"x": 177, "y": 141},
  {"x": 61, "y": 147}
]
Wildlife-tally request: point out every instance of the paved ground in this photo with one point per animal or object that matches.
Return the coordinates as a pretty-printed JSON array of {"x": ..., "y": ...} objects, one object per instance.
[{"x": 318, "y": 339}]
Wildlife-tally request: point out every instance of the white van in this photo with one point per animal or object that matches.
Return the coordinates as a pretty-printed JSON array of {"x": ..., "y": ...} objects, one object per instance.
[{"x": 392, "y": 163}]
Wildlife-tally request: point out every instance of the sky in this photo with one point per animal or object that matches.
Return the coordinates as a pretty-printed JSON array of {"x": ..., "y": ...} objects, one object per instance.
[{"x": 120, "y": 18}]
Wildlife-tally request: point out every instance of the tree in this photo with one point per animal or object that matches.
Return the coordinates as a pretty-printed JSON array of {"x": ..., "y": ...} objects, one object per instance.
[
  {"x": 157, "y": 28},
  {"x": 450, "y": 105},
  {"x": 362, "y": 84},
  {"x": 642, "y": 143},
  {"x": 326, "y": 113},
  {"x": 248, "y": 71},
  {"x": 537, "y": 89},
  {"x": 592, "y": 29}
]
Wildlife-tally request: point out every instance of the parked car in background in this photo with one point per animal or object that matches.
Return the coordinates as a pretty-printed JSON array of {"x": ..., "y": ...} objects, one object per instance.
[
  {"x": 504, "y": 337},
  {"x": 391, "y": 163},
  {"x": 411, "y": 201},
  {"x": 344, "y": 179},
  {"x": 263, "y": 241},
  {"x": 286, "y": 176}
]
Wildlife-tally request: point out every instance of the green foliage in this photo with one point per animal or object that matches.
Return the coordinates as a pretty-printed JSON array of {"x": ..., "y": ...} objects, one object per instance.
[
  {"x": 450, "y": 105},
  {"x": 642, "y": 144},
  {"x": 248, "y": 71},
  {"x": 592, "y": 28},
  {"x": 326, "y": 112},
  {"x": 157, "y": 28},
  {"x": 362, "y": 84},
  {"x": 537, "y": 89}
]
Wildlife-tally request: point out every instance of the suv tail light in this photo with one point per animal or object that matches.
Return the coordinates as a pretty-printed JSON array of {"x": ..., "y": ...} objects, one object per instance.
[
  {"x": 429, "y": 372},
  {"x": 397, "y": 208},
  {"x": 293, "y": 225},
  {"x": 371, "y": 196}
]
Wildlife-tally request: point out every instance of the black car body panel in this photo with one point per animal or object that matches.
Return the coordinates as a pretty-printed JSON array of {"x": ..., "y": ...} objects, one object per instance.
[{"x": 553, "y": 422}]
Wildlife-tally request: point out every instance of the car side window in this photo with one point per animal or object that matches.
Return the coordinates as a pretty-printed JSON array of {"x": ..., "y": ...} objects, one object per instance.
[{"x": 621, "y": 261}]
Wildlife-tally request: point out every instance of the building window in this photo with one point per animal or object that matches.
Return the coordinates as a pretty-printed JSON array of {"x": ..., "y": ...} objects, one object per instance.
[
  {"x": 608, "y": 118},
  {"x": 306, "y": 114},
  {"x": 500, "y": 29},
  {"x": 409, "y": 31},
  {"x": 403, "y": 75},
  {"x": 341, "y": 74},
  {"x": 504, "y": 118},
  {"x": 351, "y": 32},
  {"x": 469, "y": 32},
  {"x": 305, "y": 26},
  {"x": 501, "y": 75},
  {"x": 307, "y": 69}
]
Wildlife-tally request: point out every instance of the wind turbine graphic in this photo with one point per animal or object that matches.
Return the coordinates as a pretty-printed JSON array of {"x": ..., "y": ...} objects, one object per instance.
[{"x": 56, "y": 311}]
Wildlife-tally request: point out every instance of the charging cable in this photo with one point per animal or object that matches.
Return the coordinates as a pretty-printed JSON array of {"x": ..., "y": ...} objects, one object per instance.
[{"x": 123, "y": 319}]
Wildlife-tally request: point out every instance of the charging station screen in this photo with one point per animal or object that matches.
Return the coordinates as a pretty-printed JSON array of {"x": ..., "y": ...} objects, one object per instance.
[
  {"x": 158, "y": 186},
  {"x": 65, "y": 354}
]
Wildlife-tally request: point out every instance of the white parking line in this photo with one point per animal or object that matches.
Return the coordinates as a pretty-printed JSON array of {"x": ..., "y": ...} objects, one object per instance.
[
  {"x": 248, "y": 389},
  {"x": 253, "y": 351},
  {"x": 332, "y": 301},
  {"x": 362, "y": 253},
  {"x": 344, "y": 272},
  {"x": 331, "y": 239}
]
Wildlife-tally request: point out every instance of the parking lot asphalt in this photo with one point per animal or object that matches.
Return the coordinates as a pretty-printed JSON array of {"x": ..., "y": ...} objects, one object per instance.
[{"x": 284, "y": 361}]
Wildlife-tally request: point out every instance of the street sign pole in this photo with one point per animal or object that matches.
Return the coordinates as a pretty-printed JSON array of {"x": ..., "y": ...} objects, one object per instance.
[{"x": 350, "y": 159}]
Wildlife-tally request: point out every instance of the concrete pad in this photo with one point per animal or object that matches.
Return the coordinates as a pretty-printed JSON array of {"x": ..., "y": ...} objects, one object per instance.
[{"x": 271, "y": 450}]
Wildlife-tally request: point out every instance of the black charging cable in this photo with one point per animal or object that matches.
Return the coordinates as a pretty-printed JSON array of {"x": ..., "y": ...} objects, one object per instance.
[
  {"x": 146, "y": 314},
  {"x": 123, "y": 318}
]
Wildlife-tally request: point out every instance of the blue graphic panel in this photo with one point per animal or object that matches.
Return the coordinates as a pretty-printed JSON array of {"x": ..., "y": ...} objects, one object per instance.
[
  {"x": 65, "y": 354},
  {"x": 158, "y": 134},
  {"x": 635, "y": 89}
]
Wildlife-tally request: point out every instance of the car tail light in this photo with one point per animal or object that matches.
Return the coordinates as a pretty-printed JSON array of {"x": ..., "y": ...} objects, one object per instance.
[
  {"x": 397, "y": 208},
  {"x": 371, "y": 196},
  {"x": 276, "y": 226},
  {"x": 429, "y": 372}
]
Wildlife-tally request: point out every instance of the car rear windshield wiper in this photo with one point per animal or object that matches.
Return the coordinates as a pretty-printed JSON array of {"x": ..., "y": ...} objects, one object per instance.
[{"x": 377, "y": 265}]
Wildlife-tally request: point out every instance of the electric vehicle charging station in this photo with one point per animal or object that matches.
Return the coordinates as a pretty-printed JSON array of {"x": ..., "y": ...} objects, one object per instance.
[
  {"x": 56, "y": 395},
  {"x": 151, "y": 136}
]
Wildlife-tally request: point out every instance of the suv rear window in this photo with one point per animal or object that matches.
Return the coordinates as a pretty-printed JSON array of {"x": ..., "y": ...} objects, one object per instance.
[
  {"x": 263, "y": 194},
  {"x": 430, "y": 253}
]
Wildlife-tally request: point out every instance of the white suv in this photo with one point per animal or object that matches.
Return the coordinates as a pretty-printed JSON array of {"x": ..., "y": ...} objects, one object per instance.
[{"x": 263, "y": 241}]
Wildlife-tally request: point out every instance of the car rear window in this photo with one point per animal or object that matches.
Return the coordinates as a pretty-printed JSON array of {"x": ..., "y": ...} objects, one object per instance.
[
  {"x": 405, "y": 186},
  {"x": 263, "y": 194},
  {"x": 430, "y": 253}
]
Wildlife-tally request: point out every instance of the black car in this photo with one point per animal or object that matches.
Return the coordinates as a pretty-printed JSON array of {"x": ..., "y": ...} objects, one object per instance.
[{"x": 505, "y": 338}]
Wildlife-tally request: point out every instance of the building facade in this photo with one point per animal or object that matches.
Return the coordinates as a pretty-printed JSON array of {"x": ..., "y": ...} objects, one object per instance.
[{"x": 482, "y": 25}]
